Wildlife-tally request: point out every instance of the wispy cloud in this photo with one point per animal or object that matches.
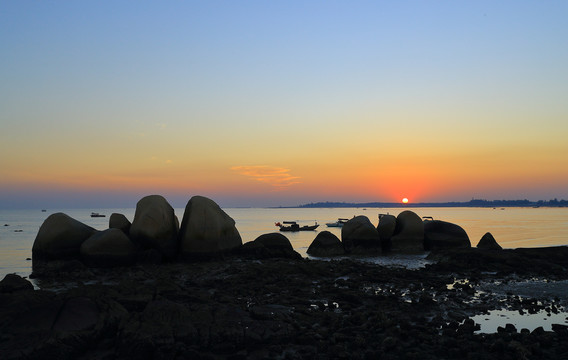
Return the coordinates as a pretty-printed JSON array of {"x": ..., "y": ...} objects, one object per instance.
[{"x": 279, "y": 178}]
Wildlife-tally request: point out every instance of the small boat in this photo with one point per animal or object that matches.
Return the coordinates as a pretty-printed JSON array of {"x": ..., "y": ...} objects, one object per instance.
[
  {"x": 95, "y": 214},
  {"x": 338, "y": 223},
  {"x": 294, "y": 226}
]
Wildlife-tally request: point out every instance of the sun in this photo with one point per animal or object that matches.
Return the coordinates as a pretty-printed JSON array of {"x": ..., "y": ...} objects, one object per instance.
[{"x": 405, "y": 201}]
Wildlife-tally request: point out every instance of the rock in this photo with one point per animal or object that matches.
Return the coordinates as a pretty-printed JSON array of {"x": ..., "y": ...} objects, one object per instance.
[
  {"x": 155, "y": 225},
  {"x": 13, "y": 283},
  {"x": 326, "y": 244},
  {"x": 273, "y": 245},
  {"x": 408, "y": 235},
  {"x": 119, "y": 221},
  {"x": 78, "y": 313},
  {"x": 108, "y": 248},
  {"x": 444, "y": 235},
  {"x": 386, "y": 228},
  {"x": 488, "y": 242},
  {"x": 206, "y": 229},
  {"x": 359, "y": 236},
  {"x": 60, "y": 237}
]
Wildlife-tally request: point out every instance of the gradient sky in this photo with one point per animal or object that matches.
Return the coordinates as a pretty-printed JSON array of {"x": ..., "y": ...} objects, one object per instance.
[{"x": 267, "y": 103}]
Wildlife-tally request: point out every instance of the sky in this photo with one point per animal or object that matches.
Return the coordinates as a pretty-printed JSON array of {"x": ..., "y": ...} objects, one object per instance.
[{"x": 281, "y": 103}]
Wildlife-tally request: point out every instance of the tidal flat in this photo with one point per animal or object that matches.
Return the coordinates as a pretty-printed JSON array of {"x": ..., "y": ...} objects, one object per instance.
[{"x": 294, "y": 309}]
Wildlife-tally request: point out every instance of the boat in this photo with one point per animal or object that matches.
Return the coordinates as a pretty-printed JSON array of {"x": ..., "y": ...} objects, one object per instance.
[
  {"x": 294, "y": 226},
  {"x": 95, "y": 214},
  {"x": 338, "y": 223}
]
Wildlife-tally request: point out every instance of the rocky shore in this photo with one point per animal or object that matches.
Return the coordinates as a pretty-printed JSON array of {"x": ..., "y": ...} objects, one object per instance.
[
  {"x": 158, "y": 289},
  {"x": 238, "y": 308}
]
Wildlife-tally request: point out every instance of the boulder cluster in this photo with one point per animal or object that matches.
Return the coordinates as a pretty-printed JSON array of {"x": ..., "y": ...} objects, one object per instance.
[
  {"x": 156, "y": 236},
  {"x": 406, "y": 233}
]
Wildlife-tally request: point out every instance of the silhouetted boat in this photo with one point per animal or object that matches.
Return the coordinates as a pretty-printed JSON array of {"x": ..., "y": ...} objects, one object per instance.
[
  {"x": 294, "y": 226},
  {"x": 95, "y": 214},
  {"x": 338, "y": 223}
]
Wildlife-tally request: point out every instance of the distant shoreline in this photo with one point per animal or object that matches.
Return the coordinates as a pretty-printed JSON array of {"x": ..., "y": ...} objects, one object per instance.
[{"x": 471, "y": 203}]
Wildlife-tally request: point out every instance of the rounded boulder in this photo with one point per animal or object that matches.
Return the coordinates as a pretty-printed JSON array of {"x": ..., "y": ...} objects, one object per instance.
[
  {"x": 408, "y": 235},
  {"x": 155, "y": 225},
  {"x": 108, "y": 248},
  {"x": 60, "y": 237},
  {"x": 272, "y": 245},
  {"x": 206, "y": 229},
  {"x": 359, "y": 236},
  {"x": 386, "y": 227},
  {"x": 444, "y": 235},
  {"x": 119, "y": 221},
  {"x": 326, "y": 244},
  {"x": 488, "y": 242}
]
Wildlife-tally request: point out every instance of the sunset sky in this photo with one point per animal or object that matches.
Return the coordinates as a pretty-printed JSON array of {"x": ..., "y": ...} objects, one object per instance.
[{"x": 268, "y": 103}]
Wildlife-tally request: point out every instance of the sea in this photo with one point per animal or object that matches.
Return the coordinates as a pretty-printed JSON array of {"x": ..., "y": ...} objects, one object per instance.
[{"x": 511, "y": 227}]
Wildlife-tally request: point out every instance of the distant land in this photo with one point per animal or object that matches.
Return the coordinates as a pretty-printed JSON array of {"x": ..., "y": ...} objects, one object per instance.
[{"x": 471, "y": 203}]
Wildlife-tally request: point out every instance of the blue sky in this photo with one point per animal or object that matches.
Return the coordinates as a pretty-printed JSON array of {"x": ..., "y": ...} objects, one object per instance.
[{"x": 137, "y": 97}]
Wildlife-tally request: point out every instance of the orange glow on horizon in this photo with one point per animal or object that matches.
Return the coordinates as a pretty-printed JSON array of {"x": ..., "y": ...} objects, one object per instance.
[{"x": 405, "y": 201}]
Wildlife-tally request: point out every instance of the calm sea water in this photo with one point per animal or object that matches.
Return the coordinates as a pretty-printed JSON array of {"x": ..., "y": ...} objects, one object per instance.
[{"x": 511, "y": 227}]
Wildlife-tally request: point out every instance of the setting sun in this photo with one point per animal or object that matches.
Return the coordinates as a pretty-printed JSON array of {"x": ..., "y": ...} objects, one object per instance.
[{"x": 405, "y": 201}]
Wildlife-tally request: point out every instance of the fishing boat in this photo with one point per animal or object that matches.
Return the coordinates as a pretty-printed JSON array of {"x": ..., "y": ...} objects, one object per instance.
[
  {"x": 95, "y": 214},
  {"x": 339, "y": 223},
  {"x": 294, "y": 226}
]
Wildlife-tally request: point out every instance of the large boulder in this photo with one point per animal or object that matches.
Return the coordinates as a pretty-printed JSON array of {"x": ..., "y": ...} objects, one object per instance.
[
  {"x": 488, "y": 242},
  {"x": 206, "y": 229},
  {"x": 119, "y": 221},
  {"x": 408, "y": 235},
  {"x": 326, "y": 244},
  {"x": 359, "y": 236},
  {"x": 108, "y": 248},
  {"x": 443, "y": 235},
  {"x": 386, "y": 228},
  {"x": 273, "y": 245},
  {"x": 60, "y": 237},
  {"x": 155, "y": 225}
]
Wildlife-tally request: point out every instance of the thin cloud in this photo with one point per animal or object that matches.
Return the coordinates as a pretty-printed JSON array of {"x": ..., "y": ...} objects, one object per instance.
[{"x": 277, "y": 177}]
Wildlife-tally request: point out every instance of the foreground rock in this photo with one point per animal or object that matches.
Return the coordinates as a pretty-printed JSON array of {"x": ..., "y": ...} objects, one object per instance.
[
  {"x": 13, "y": 283},
  {"x": 408, "y": 235},
  {"x": 326, "y": 244},
  {"x": 206, "y": 229},
  {"x": 444, "y": 235},
  {"x": 359, "y": 236},
  {"x": 288, "y": 309},
  {"x": 60, "y": 237},
  {"x": 155, "y": 226},
  {"x": 108, "y": 248}
]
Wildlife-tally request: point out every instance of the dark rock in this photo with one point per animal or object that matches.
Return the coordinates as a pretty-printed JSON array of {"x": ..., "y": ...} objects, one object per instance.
[
  {"x": 488, "y": 242},
  {"x": 359, "y": 236},
  {"x": 408, "y": 235},
  {"x": 60, "y": 237},
  {"x": 326, "y": 244},
  {"x": 12, "y": 283},
  {"x": 386, "y": 228},
  {"x": 273, "y": 245},
  {"x": 108, "y": 248},
  {"x": 444, "y": 235},
  {"x": 119, "y": 221},
  {"x": 155, "y": 225},
  {"x": 206, "y": 229}
]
